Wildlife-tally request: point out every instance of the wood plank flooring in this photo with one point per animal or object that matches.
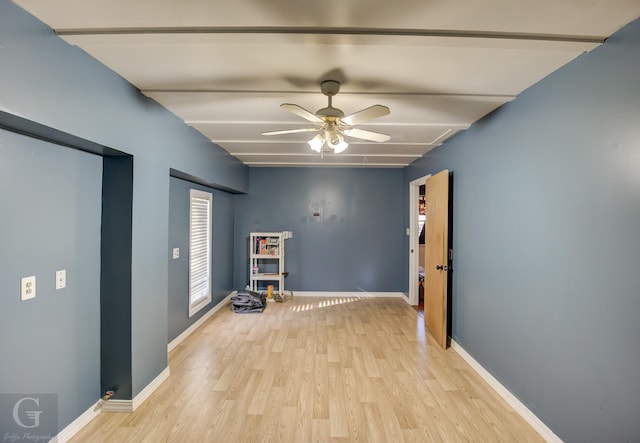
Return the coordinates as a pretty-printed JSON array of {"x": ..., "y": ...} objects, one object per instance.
[{"x": 316, "y": 370}]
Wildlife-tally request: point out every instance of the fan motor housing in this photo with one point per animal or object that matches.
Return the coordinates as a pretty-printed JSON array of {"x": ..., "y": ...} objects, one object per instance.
[
  {"x": 330, "y": 113},
  {"x": 330, "y": 87}
]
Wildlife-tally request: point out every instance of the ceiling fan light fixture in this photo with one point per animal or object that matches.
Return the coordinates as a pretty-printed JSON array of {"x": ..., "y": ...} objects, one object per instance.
[
  {"x": 337, "y": 143},
  {"x": 332, "y": 136},
  {"x": 316, "y": 143}
]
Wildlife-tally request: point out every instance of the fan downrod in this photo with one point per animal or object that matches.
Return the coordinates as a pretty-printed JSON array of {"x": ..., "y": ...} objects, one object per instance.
[{"x": 330, "y": 88}]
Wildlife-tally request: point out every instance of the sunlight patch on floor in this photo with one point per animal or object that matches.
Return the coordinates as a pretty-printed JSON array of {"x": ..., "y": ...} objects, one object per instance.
[{"x": 325, "y": 303}]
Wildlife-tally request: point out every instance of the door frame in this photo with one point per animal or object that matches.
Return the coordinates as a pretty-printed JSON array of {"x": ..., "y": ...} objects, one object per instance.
[{"x": 414, "y": 193}]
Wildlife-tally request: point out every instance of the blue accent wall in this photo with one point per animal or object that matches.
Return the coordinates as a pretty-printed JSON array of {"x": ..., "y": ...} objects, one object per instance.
[
  {"x": 50, "y": 220},
  {"x": 546, "y": 288},
  {"x": 222, "y": 250},
  {"x": 354, "y": 245},
  {"x": 115, "y": 277}
]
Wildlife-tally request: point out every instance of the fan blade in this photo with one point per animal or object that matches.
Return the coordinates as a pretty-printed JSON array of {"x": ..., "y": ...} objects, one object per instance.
[
  {"x": 291, "y": 131},
  {"x": 367, "y": 135},
  {"x": 301, "y": 112},
  {"x": 375, "y": 111}
]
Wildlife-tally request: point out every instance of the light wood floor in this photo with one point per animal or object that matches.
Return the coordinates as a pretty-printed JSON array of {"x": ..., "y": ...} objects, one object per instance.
[{"x": 316, "y": 370}]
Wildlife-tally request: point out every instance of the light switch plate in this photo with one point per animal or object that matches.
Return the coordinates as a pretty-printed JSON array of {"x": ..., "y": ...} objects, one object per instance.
[
  {"x": 61, "y": 279},
  {"x": 176, "y": 253},
  {"x": 27, "y": 287}
]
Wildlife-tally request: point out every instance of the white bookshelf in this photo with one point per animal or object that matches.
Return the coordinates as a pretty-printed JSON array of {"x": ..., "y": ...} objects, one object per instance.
[{"x": 266, "y": 264}]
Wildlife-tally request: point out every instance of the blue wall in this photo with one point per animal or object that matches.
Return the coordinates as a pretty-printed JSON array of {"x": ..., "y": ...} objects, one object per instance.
[
  {"x": 51, "y": 212},
  {"x": 52, "y": 84},
  {"x": 222, "y": 259},
  {"x": 546, "y": 288},
  {"x": 357, "y": 244},
  {"x": 115, "y": 276}
]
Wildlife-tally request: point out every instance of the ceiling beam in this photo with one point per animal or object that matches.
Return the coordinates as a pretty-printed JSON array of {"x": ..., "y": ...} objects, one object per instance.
[{"x": 329, "y": 31}]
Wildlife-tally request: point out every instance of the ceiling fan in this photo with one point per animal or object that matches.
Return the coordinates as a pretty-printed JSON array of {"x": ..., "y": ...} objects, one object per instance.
[{"x": 333, "y": 125}]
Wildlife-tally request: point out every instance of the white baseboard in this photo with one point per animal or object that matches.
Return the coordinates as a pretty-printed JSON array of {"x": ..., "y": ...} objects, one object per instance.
[
  {"x": 132, "y": 405},
  {"x": 511, "y": 399},
  {"x": 75, "y": 426},
  {"x": 356, "y": 294},
  {"x": 109, "y": 406},
  {"x": 187, "y": 332},
  {"x": 116, "y": 405},
  {"x": 150, "y": 388}
]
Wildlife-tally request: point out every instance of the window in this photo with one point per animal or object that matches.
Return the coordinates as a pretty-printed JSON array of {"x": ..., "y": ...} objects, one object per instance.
[{"x": 200, "y": 214}]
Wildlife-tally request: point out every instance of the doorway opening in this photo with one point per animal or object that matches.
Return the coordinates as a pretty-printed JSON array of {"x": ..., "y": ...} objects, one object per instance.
[{"x": 416, "y": 251}]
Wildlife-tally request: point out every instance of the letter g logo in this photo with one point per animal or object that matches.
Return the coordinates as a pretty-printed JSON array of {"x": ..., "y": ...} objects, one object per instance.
[{"x": 33, "y": 415}]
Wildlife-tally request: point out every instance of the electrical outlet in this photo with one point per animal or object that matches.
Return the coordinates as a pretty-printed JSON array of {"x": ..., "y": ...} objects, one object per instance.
[
  {"x": 176, "y": 253},
  {"x": 27, "y": 287},
  {"x": 61, "y": 279}
]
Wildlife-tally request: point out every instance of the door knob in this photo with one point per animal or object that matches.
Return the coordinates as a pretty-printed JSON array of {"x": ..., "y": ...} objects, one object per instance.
[
  {"x": 442, "y": 268},
  {"x": 439, "y": 268}
]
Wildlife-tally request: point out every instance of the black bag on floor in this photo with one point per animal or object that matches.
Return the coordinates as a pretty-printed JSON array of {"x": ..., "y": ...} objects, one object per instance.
[{"x": 246, "y": 302}]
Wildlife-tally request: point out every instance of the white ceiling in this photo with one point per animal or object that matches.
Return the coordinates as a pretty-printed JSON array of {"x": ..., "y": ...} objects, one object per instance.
[{"x": 224, "y": 67}]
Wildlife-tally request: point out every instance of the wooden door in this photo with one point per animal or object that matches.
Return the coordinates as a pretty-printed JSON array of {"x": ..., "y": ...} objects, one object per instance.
[{"x": 436, "y": 256}]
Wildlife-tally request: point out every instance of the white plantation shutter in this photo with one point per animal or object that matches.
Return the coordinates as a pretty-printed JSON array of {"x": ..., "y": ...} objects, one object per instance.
[{"x": 200, "y": 214}]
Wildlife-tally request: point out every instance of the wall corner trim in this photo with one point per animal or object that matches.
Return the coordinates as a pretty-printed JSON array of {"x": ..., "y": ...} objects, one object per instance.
[
  {"x": 187, "y": 332},
  {"x": 503, "y": 392},
  {"x": 75, "y": 426}
]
